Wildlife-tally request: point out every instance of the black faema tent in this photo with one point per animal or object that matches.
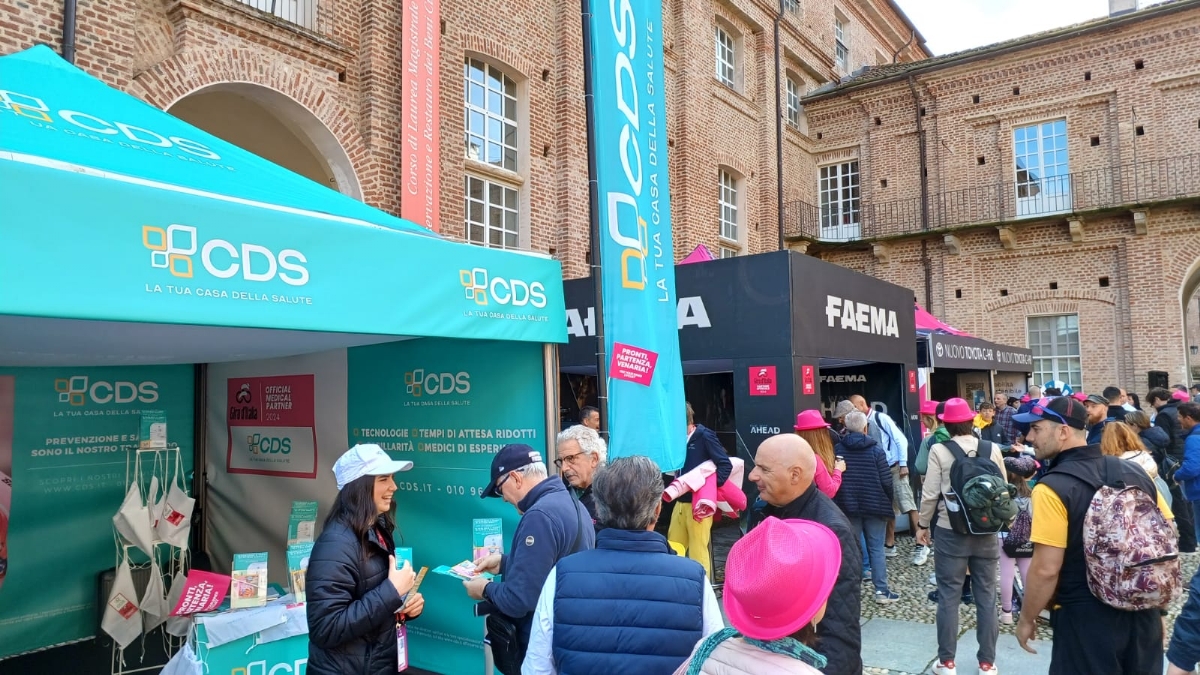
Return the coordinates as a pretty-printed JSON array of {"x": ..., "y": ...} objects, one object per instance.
[{"x": 765, "y": 336}]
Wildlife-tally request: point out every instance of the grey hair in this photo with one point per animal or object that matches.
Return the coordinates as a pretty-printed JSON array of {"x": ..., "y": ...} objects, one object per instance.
[
  {"x": 627, "y": 492},
  {"x": 533, "y": 471},
  {"x": 589, "y": 441},
  {"x": 856, "y": 421}
]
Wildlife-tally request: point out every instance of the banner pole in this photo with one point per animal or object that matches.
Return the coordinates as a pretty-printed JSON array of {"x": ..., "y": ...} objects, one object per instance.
[{"x": 594, "y": 217}]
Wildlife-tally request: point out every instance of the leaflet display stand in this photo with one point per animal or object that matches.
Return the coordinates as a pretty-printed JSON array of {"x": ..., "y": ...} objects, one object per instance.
[{"x": 172, "y": 559}]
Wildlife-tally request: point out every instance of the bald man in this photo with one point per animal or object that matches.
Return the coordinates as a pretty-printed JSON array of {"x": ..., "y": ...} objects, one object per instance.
[{"x": 783, "y": 471}]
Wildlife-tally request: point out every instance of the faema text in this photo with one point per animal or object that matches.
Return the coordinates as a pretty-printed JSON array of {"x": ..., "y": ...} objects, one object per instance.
[
  {"x": 36, "y": 109},
  {"x": 420, "y": 383},
  {"x": 173, "y": 249},
  {"x": 482, "y": 288},
  {"x": 626, "y": 226},
  {"x": 78, "y": 390},
  {"x": 298, "y": 667},
  {"x": 861, "y": 317}
]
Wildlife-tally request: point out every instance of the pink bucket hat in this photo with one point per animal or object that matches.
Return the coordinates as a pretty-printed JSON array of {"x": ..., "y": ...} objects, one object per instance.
[
  {"x": 798, "y": 555},
  {"x": 809, "y": 420},
  {"x": 929, "y": 407},
  {"x": 957, "y": 410},
  {"x": 1180, "y": 395}
]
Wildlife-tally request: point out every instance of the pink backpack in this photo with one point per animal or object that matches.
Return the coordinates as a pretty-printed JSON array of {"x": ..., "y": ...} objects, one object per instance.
[{"x": 1131, "y": 551}]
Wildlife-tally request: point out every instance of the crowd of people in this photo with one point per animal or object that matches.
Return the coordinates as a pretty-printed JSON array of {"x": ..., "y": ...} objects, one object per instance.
[{"x": 1069, "y": 505}]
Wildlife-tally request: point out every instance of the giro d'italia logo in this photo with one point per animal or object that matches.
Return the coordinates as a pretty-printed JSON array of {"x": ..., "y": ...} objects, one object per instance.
[{"x": 244, "y": 395}]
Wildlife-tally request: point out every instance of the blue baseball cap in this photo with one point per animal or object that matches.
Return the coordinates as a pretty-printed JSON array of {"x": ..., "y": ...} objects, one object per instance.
[
  {"x": 510, "y": 458},
  {"x": 1057, "y": 409}
]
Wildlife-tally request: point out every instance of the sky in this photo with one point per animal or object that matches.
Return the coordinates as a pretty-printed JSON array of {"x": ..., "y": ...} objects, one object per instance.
[{"x": 974, "y": 23}]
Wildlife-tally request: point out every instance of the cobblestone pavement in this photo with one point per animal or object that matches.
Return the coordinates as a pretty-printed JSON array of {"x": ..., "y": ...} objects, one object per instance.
[{"x": 911, "y": 583}]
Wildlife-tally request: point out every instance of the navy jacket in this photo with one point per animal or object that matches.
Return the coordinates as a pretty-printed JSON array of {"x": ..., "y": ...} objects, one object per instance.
[
  {"x": 701, "y": 447},
  {"x": 545, "y": 535},
  {"x": 1167, "y": 419},
  {"x": 628, "y": 606},
  {"x": 867, "y": 487},
  {"x": 1156, "y": 441},
  {"x": 351, "y": 604},
  {"x": 1185, "y": 641},
  {"x": 839, "y": 635}
]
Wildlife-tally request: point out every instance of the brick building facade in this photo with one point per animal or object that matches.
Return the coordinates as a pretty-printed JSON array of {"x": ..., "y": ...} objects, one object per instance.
[{"x": 1058, "y": 203}]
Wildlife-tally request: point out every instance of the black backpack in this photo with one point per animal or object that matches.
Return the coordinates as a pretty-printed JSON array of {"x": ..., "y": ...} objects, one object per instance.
[{"x": 980, "y": 501}]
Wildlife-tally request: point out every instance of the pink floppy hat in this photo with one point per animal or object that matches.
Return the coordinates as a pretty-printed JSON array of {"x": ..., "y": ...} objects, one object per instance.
[
  {"x": 957, "y": 410},
  {"x": 929, "y": 407},
  {"x": 798, "y": 555},
  {"x": 808, "y": 420}
]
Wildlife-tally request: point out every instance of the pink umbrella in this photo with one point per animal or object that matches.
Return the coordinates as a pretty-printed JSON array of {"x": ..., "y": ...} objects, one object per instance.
[
  {"x": 930, "y": 323},
  {"x": 701, "y": 254}
]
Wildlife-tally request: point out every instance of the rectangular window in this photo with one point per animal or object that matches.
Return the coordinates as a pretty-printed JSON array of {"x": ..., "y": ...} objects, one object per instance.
[
  {"x": 726, "y": 57},
  {"x": 838, "y": 189},
  {"x": 793, "y": 102},
  {"x": 1054, "y": 341},
  {"x": 728, "y": 252},
  {"x": 492, "y": 213},
  {"x": 1043, "y": 175},
  {"x": 729, "y": 207},
  {"x": 490, "y": 99},
  {"x": 792, "y": 6},
  {"x": 842, "y": 52}
]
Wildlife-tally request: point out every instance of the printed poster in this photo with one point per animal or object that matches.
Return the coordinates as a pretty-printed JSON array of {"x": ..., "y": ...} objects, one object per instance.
[
  {"x": 64, "y": 437},
  {"x": 448, "y": 406},
  {"x": 272, "y": 426}
]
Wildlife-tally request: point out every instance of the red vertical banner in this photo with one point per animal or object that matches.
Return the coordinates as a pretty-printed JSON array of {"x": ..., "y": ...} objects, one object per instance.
[
  {"x": 808, "y": 380},
  {"x": 912, "y": 381},
  {"x": 419, "y": 157}
]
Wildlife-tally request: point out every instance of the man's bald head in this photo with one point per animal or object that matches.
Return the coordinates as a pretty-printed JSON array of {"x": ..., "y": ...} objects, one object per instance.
[
  {"x": 860, "y": 403},
  {"x": 784, "y": 468}
]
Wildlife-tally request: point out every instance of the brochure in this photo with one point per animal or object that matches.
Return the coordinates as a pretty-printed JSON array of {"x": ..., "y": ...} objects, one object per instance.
[
  {"x": 249, "y": 580},
  {"x": 153, "y": 434},
  {"x": 464, "y": 570},
  {"x": 488, "y": 537},
  {"x": 297, "y": 558},
  {"x": 302, "y": 526},
  {"x": 403, "y": 554},
  {"x": 200, "y": 592}
]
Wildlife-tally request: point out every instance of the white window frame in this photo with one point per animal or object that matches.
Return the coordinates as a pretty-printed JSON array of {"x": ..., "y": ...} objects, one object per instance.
[
  {"x": 792, "y": 100},
  {"x": 841, "y": 49},
  {"x": 725, "y": 45},
  {"x": 792, "y": 6},
  {"x": 1054, "y": 355},
  {"x": 480, "y": 120},
  {"x": 839, "y": 190},
  {"x": 1042, "y": 168},
  {"x": 481, "y": 230},
  {"x": 726, "y": 252},
  {"x": 729, "y": 211}
]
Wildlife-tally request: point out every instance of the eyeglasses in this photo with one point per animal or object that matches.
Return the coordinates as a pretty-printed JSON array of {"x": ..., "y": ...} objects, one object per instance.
[
  {"x": 569, "y": 459},
  {"x": 500, "y": 483}
]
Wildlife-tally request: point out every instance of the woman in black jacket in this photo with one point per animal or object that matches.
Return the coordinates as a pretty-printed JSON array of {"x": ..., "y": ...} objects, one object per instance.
[{"x": 356, "y": 596}]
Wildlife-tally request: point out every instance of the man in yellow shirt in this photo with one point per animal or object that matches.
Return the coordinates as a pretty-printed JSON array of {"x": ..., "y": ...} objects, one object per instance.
[{"x": 1090, "y": 637}]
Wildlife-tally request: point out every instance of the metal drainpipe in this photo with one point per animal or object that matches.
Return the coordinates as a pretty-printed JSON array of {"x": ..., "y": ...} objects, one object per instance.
[
  {"x": 778, "y": 131},
  {"x": 68, "y": 31},
  {"x": 924, "y": 195}
]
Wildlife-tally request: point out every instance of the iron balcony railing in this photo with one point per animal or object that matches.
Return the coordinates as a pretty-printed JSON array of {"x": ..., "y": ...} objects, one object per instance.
[
  {"x": 300, "y": 12},
  {"x": 1097, "y": 189}
]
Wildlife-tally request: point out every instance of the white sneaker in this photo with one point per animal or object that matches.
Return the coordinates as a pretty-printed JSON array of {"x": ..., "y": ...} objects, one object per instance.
[
  {"x": 946, "y": 668},
  {"x": 932, "y": 579},
  {"x": 988, "y": 669},
  {"x": 889, "y": 552},
  {"x": 1006, "y": 618},
  {"x": 920, "y": 555}
]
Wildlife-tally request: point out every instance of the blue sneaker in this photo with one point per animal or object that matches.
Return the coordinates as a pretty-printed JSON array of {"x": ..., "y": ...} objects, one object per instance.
[{"x": 886, "y": 597}]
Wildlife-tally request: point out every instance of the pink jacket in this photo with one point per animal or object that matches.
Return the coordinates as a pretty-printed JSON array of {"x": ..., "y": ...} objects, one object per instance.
[
  {"x": 737, "y": 657},
  {"x": 827, "y": 482},
  {"x": 708, "y": 499}
]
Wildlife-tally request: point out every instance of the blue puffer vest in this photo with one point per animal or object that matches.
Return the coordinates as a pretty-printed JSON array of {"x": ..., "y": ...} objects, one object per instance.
[{"x": 628, "y": 606}]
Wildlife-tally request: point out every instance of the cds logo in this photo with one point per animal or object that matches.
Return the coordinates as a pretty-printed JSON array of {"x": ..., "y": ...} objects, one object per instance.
[
  {"x": 173, "y": 249},
  {"x": 265, "y": 445},
  {"x": 78, "y": 390},
  {"x": 34, "y": 108},
  {"x": 480, "y": 286},
  {"x": 419, "y": 383},
  {"x": 297, "y": 667}
]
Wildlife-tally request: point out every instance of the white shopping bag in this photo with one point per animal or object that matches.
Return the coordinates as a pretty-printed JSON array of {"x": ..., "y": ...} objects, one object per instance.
[
  {"x": 175, "y": 522},
  {"x": 154, "y": 600},
  {"x": 122, "y": 616},
  {"x": 185, "y": 662},
  {"x": 133, "y": 521},
  {"x": 179, "y": 626}
]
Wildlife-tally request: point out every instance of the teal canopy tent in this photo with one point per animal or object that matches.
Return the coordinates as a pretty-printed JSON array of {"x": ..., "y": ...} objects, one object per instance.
[{"x": 130, "y": 236}]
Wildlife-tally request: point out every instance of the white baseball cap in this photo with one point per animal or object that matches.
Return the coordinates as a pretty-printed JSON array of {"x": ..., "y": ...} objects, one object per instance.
[{"x": 366, "y": 459}]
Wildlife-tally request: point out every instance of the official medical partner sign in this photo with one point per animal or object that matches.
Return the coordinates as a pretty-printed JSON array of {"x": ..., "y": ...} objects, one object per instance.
[{"x": 645, "y": 394}]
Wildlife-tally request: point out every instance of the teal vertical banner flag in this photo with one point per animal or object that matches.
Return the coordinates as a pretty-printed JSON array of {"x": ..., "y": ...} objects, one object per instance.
[
  {"x": 447, "y": 406},
  {"x": 629, "y": 146},
  {"x": 65, "y": 435}
]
